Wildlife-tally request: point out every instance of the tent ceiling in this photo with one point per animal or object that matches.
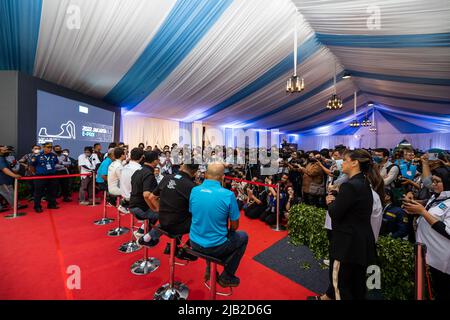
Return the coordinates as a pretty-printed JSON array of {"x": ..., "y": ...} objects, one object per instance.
[{"x": 225, "y": 62}]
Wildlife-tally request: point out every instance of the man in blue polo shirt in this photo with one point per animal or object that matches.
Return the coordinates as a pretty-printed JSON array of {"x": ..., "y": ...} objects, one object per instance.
[{"x": 212, "y": 206}]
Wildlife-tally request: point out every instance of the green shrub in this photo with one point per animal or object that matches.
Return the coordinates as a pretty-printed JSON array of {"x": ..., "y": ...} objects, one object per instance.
[
  {"x": 396, "y": 260},
  {"x": 306, "y": 227},
  {"x": 396, "y": 257}
]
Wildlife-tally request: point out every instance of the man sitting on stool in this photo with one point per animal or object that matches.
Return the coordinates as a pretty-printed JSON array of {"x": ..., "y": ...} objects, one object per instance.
[
  {"x": 143, "y": 182},
  {"x": 212, "y": 206},
  {"x": 114, "y": 173},
  {"x": 171, "y": 200}
]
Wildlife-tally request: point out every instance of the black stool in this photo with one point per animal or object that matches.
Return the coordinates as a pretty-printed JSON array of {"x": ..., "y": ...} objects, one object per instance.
[
  {"x": 119, "y": 230},
  {"x": 172, "y": 290},
  {"x": 213, "y": 262},
  {"x": 105, "y": 219},
  {"x": 146, "y": 265},
  {"x": 132, "y": 245}
]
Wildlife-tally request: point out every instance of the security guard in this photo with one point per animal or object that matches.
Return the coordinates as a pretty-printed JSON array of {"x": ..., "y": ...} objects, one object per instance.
[{"x": 44, "y": 164}]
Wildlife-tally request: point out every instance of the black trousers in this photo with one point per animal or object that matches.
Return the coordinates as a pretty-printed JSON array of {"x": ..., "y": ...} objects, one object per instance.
[
  {"x": 254, "y": 211},
  {"x": 64, "y": 185},
  {"x": 349, "y": 281},
  {"x": 47, "y": 188},
  {"x": 441, "y": 284}
]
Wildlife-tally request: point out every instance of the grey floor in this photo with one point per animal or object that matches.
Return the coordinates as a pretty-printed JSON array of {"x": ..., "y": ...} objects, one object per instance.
[{"x": 296, "y": 263}]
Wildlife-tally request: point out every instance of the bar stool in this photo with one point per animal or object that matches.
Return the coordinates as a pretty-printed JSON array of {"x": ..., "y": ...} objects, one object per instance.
[
  {"x": 145, "y": 265},
  {"x": 173, "y": 290},
  {"x": 119, "y": 230},
  {"x": 105, "y": 219},
  {"x": 132, "y": 245},
  {"x": 212, "y": 285}
]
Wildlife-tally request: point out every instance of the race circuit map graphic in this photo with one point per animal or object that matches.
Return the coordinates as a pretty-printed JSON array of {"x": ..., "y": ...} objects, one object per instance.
[{"x": 67, "y": 132}]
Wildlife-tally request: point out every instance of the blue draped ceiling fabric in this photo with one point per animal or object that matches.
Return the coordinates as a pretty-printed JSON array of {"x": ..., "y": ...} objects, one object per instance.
[{"x": 225, "y": 62}]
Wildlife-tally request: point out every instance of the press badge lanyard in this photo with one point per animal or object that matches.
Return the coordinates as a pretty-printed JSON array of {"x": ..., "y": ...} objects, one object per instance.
[{"x": 48, "y": 165}]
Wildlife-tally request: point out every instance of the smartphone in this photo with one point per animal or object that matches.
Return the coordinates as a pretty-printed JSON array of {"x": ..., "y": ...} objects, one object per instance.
[{"x": 432, "y": 156}]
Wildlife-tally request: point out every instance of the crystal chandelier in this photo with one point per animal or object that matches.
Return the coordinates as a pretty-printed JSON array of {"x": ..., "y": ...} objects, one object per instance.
[
  {"x": 355, "y": 122},
  {"x": 295, "y": 83},
  {"x": 366, "y": 121},
  {"x": 335, "y": 102}
]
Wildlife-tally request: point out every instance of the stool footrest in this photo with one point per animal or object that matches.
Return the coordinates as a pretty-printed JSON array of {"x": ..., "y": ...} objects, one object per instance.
[{"x": 223, "y": 294}]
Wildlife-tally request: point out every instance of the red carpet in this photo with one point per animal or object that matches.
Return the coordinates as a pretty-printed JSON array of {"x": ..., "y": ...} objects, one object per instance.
[{"x": 37, "y": 249}]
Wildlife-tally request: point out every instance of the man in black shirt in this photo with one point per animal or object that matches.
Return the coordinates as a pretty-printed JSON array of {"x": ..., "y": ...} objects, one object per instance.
[
  {"x": 171, "y": 200},
  {"x": 143, "y": 182}
]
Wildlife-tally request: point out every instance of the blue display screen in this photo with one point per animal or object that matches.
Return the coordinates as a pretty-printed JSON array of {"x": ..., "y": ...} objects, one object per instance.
[{"x": 72, "y": 124}]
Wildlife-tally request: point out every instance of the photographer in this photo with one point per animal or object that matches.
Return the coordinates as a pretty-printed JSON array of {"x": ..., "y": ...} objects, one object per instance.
[
  {"x": 433, "y": 230},
  {"x": 313, "y": 185}
]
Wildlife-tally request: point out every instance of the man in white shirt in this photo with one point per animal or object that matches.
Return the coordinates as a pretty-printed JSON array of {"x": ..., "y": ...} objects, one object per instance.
[
  {"x": 86, "y": 164},
  {"x": 136, "y": 157},
  {"x": 114, "y": 172}
]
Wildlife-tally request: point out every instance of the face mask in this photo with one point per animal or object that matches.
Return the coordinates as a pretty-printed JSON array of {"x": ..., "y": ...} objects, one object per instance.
[
  {"x": 36, "y": 151},
  {"x": 377, "y": 159},
  {"x": 66, "y": 154},
  {"x": 58, "y": 152}
]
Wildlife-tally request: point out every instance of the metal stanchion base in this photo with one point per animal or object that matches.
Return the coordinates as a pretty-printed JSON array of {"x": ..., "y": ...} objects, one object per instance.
[
  {"x": 103, "y": 221},
  {"x": 18, "y": 214},
  {"x": 145, "y": 266},
  {"x": 118, "y": 232},
  {"x": 279, "y": 228},
  {"x": 129, "y": 247},
  {"x": 179, "y": 291}
]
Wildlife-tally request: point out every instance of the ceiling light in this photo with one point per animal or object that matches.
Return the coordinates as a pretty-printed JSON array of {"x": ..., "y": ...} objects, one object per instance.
[
  {"x": 335, "y": 102},
  {"x": 295, "y": 83},
  {"x": 347, "y": 75}
]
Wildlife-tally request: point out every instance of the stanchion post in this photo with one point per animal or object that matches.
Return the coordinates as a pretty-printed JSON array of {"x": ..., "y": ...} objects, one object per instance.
[
  {"x": 16, "y": 202},
  {"x": 93, "y": 189}
]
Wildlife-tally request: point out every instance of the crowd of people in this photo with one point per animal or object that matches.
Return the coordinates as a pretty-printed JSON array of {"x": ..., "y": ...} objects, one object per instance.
[{"x": 401, "y": 193}]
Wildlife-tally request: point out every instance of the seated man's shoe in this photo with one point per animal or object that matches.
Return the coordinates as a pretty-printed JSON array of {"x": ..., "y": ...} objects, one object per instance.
[
  {"x": 183, "y": 255},
  {"x": 139, "y": 233},
  {"x": 67, "y": 200},
  {"x": 54, "y": 207},
  {"x": 123, "y": 209},
  {"x": 84, "y": 203},
  {"x": 22, "y": 206},
  {"x": 228, "y": 281},
  {"x": 38, "y": 210},
  {"x": 148, "y": 244}
]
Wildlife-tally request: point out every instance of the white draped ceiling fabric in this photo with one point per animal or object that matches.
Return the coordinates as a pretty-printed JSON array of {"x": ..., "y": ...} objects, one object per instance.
[{"x": 224, "y": 63}]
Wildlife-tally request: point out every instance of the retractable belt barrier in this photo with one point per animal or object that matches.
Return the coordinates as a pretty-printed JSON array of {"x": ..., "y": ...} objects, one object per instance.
[
  {"x": 277, "y": 227},
  {"x": 16, "y": 188}
]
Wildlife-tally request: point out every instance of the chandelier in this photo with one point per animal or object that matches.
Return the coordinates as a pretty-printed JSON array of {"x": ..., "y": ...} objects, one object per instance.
[
  {"x": 355, "y": 122},
  {"x": 366, "y": 121},
  {"x": 295, "y": 83},
  {"x": 335, "y": 102}
]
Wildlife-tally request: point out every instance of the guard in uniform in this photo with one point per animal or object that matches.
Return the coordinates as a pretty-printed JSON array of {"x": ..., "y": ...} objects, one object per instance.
[{"x": 44, "y": 164}]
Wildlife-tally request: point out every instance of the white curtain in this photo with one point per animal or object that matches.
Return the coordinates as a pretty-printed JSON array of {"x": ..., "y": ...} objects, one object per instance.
[{"x": 150, "y": 131}]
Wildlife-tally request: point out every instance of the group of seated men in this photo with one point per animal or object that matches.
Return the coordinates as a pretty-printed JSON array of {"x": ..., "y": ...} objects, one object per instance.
[{"x": 208, "y": 212}]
